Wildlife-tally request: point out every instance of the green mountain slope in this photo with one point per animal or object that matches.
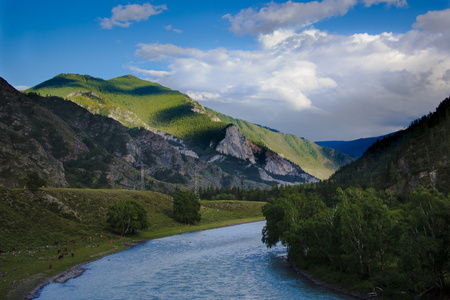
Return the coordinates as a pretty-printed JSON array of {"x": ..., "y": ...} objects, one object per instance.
[
  {"x": 418, "y": 155},
  {"x": 314, "y": 159},
  {"x": 139, "y": 103}
]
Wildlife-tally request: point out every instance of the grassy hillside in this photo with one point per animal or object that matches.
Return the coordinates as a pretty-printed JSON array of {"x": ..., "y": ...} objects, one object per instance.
[
  {"x": 36, "y": 225},
  {"x": 318, "y": 161},
  {"x": 136, "y": 102}
]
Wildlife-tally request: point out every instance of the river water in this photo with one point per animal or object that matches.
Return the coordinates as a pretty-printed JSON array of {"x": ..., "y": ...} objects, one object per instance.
[{"x": 223, "y": 263}]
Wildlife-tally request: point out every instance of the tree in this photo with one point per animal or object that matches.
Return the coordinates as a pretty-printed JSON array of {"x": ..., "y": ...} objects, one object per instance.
[
  {"x": 426, "y": 240},
  {"x": 365, "y": 224},
  {"x": 34, "y": 182},
  {"x": 127, "y": 217},
  {"x": 186, "y": 207}
]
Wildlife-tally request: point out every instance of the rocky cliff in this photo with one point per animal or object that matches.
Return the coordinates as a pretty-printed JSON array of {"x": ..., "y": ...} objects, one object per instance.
[
  {"x": 270, "y": 166},
  {"x": 235, "y": 144}
]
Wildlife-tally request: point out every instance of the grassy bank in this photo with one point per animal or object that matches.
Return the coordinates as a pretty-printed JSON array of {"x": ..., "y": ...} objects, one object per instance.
[{"x": 40, "y": 231}]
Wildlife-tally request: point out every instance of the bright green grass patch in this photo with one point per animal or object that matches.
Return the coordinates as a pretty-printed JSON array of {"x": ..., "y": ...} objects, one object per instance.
[{"x": 36, "y": 225}]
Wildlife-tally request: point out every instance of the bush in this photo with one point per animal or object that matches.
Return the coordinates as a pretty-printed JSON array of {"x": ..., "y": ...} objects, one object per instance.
[
  {"x": 127, "y": 217},
  {"x": 34, "y": 182},
  {"x": 186, "y": 207}
]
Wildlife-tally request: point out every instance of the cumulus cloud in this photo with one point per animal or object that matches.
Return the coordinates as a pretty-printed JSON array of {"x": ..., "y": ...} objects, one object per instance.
[
  {"x": 123, "y": 15},
  {"x": 304, "y": 81},
  {"x": 434, "y": 21},
  {"x": 297, "y": 15},
  {"x": 289, "y": 14}
]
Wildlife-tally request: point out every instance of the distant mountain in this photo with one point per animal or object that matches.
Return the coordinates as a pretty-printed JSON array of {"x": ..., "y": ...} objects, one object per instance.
[
  {"x": 418, "y": 155},
  {"x": 173, "y": 115},
  {"x": 354, "y": 148}
]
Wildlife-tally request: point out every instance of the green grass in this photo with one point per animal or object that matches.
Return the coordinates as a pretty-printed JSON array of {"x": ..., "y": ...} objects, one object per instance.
[
  {"x": 37, "y": 225},
  {"x": 151, "y": 104}
]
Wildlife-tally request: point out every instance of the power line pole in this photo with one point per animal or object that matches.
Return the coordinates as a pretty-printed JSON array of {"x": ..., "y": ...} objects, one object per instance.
[
  {"x": 142, "y": 176},
  {"x": 196, "y": 185}
]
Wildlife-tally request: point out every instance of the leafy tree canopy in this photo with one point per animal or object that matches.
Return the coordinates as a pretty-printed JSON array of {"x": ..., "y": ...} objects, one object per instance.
[{"x": 127, "y": 217}]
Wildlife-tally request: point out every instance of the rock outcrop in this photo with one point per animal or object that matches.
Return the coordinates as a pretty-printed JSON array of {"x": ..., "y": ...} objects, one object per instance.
[
  {"x": 235, "y": 144},
  {"x": 276, "y": 165}
]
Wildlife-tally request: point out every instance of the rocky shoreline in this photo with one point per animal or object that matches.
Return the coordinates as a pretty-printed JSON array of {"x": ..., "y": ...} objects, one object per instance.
[{"x": 59, "y": 278}]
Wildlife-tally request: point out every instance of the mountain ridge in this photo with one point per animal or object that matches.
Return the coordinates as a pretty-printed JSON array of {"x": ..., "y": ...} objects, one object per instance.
[
  {"x": 159, "y": 109},
  {"x": 355, "y": 148}
]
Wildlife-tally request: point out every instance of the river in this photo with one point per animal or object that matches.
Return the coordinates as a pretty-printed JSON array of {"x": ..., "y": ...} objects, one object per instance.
[{"x": 223, "y": 263}]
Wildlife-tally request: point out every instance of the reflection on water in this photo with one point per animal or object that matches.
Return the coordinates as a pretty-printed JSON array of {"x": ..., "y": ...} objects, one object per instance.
[{"x": 223, "y": 263}]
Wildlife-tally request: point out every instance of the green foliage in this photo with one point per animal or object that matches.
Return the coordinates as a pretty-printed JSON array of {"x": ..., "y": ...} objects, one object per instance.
[
  {"x": 368, "y": 236},
  {"x": 425, "y": 240},
  {"x": 34, "y": 182},
  {"x": 224, "y": 196},
  {"x": 186, "y": 207},
  {"x": 127, "y": 217}
]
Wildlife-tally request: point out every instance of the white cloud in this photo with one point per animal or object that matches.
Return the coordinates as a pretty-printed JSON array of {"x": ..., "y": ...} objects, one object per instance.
[
  {"x": 273, "y": 16},
  {"x": 123, "y": 15},
  {"x": 21, "y": 87},
  {"x": 160, "y": 52},
  {"x": 302, "y": 82},
  {"x": 434, "y": 21},
  {"x": 397, "y": 3},
  {"x": 290, "y": 14},
  {"x": 170, "y": 28}
]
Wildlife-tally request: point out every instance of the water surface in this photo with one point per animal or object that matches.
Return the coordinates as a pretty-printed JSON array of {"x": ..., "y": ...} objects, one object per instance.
[{"x": 223, "y": 263}]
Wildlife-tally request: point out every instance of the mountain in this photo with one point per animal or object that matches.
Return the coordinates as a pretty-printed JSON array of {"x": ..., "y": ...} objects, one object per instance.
[
  {"x": 139, "y": 103},
  {"x": 68, "y": 145},
  {"x": 354, "y": 148},
  {"x": 418, "y": 155}
]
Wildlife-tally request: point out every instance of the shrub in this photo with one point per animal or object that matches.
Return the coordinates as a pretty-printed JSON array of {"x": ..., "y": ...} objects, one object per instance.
[{"x": 186, "y": 207}]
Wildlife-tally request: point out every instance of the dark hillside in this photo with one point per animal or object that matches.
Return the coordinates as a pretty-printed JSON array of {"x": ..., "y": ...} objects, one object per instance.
[{"x": 418, "y": 155}]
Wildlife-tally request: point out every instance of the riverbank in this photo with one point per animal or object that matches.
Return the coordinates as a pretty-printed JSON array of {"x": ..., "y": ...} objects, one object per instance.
[
  {"x": 46, "y": 233},
  {"x": 78, "y": 270}
]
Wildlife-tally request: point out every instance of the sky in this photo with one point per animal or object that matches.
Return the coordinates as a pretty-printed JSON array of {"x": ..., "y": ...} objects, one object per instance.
[{"x": 323, "y": 70}]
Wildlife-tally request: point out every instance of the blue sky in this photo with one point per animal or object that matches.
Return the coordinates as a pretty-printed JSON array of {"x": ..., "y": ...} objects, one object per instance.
[{"x": 324, "y": 70}]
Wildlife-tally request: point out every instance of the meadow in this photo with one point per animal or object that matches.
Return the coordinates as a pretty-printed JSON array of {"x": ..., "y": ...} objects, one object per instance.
[{"x": 47, "y": 232}]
